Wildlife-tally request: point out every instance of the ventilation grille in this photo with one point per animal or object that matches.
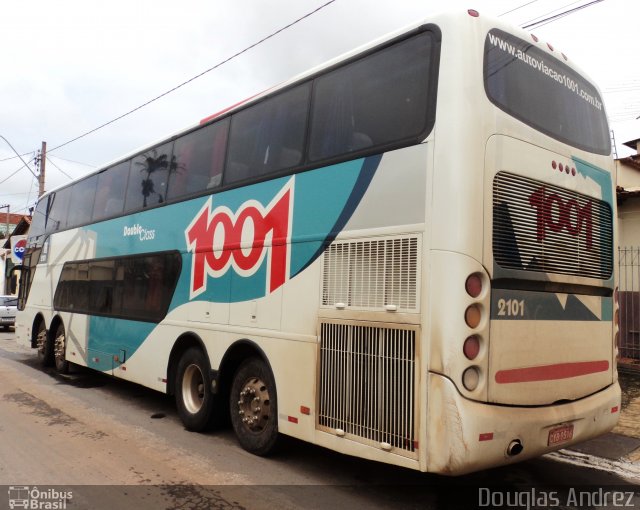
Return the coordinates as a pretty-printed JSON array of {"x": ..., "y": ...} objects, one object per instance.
[
  {"x": 546, "y": 228},
  {"x": 367, "y": 384},
  {"x": 371, "y": 274}
]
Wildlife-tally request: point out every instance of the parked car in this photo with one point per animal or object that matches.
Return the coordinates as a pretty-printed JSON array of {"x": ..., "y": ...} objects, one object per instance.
[{"x": 8, "y": 309}]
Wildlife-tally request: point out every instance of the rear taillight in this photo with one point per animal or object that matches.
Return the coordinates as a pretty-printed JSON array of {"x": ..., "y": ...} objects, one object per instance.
[
  {"x": 471, "y": 347},
  {"x": 473, "y": 285},
  {"x": 471, "y": 378},
  {"x": 476, "y": 286},
  {"x": 473, "y": 316},
  {"x": 616, "y": 320}
]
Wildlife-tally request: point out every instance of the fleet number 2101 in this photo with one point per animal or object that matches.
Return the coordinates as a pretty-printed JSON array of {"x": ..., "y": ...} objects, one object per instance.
[{"x": 511, "y": 307}]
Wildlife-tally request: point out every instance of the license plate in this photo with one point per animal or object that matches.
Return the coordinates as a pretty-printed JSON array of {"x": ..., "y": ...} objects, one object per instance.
[{"x": 560, "y": 435}]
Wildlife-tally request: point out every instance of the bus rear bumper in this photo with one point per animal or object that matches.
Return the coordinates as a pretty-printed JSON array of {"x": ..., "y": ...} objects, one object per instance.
[{"x": 465, "y": 436}]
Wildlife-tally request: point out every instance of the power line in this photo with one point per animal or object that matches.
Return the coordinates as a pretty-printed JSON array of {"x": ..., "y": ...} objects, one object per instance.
[
  {"x": 517, "y": 8},
  {"x": 19, "y": 156},
  {"x": 245, "y": 50},
  {"x": 555, "y": 17},
  {"x": 14, "y": 173},
  {"x": 540, "y": 16},
  {"x": 73, "y": 161},
  {"x": 14, "y": 194},
  {"x": 60, "y": 169}
]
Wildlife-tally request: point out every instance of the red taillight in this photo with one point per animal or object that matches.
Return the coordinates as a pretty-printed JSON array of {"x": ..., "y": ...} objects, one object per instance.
[
  {"x": 471, "y": 347},
  {"x": 474, "y": 13},
  {"x": 473, "y": 285}
]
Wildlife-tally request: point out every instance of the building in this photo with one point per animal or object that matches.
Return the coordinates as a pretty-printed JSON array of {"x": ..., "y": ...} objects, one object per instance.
[
  {"x": 8, "y": 222},
  {"x": 628, "y": 192},
  {"x": 628, "y": 198},
  {"x": 9, "y": 279}
]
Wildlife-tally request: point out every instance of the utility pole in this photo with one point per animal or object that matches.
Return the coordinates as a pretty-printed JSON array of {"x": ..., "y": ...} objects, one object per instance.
[{"x": 43, "y": 159}]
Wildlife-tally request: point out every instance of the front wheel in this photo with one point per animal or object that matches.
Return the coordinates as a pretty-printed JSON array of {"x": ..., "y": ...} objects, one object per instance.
[
  {"x": 194, "y": 398},
  {"x": 253, "y": 407}
]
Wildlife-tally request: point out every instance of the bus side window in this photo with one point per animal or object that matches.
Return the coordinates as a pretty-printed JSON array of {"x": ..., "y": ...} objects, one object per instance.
[
  {"x": 83, "y": 194},
  {"x": 379, "y": 100},
  {"x": 199, "y": 160},
  {"x": 269, "y": 136},
  {"x": 59, "y": 205},
  {"x": 148, "y": 178},
  {"x": 112, "y": 184}
]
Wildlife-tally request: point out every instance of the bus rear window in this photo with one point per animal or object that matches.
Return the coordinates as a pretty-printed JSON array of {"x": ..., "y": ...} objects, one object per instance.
[{"x": 544, "y": 93}]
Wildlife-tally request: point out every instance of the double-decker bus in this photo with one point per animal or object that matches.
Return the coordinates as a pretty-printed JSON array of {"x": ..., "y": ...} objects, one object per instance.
[{"x": 404, "y": 255}]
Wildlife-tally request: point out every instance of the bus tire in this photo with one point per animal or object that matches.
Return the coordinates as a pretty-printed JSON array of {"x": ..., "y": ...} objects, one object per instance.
[
  {"x": 194, "y": 399},
  {"x": 44, "y": 346},
  {"x": 60, "y": 350},
  {"x": 253, "y": 407}
]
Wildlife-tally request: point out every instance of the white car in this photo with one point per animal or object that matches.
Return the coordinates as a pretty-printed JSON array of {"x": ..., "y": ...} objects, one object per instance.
[{"x": 8, "y": 309}]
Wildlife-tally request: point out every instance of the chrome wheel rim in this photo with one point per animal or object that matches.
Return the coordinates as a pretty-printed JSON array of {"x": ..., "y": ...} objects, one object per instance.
[
  {"x": 58, "y": 346},
  {"x": 41, "y": 340},
  {"x": 254, "y": 405},
  {"x": 193, "y": 389}
]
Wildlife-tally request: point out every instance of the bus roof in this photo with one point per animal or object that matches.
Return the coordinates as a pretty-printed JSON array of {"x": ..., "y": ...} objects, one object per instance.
[{"x": 443, "y": 19}]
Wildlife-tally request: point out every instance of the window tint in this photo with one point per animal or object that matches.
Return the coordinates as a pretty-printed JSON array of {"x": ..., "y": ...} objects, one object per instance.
[
  {"x": 136, "y": 288},
  {"x": 268, "y": 136},
  {"x": 148, "y": 178},
  {"x": 378, "y": 100},
  {"x": 105, "y": 296},
  {"x": 112, "y": 185},
  {"x": 58, "y": 206},
  {"x": 199, "y": 160},
  {"x": 39, "y": 217},
  {"x": 544, "y": 93},
  {"x": 83, "y": 195}
]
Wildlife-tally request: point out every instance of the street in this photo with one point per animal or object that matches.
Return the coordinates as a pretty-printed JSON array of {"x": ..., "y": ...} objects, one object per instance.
[{"x": 112, "y": 444}]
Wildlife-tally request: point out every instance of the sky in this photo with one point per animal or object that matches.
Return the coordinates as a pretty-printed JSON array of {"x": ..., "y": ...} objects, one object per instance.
[{"x": 69, "y": 66}]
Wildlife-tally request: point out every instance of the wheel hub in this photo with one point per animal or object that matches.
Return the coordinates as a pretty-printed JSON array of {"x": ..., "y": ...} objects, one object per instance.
[
  {"x": 41, "y": 340},
  {"x": 58, "y": 346},
  {"x": 253, "y": 405},
  {"x": 193, "y": 389}
]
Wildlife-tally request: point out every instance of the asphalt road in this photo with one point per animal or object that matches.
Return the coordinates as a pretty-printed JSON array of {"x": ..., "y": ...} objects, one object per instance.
[{"x": 106, "y": 443}]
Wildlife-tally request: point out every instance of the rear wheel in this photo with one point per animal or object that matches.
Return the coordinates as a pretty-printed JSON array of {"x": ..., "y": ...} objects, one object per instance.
[
  {"x": 253, "y": 407},
  {"x": 194, "y": 399},
  {"x": 44, "y": 346},
  {"x": 60, "y": 350}
]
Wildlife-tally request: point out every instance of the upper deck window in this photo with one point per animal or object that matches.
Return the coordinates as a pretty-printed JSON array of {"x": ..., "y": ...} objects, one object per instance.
[
  {"x": 544, "y": 93},
  {"x": 382, "y": 99}
]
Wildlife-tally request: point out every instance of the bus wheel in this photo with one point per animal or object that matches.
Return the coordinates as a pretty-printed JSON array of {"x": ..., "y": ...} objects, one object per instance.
[
  {"x": 253, "y": 407},
  {"x": 44, "y": 346},
  {"x": 59, "y": 350},
  {"x": 194, "y": 399}
]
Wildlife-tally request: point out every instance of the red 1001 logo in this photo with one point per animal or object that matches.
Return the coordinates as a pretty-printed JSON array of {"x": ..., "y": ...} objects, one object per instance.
[
  {"x": 557, "y": 214},
  {"x": 220, "y": 239}
]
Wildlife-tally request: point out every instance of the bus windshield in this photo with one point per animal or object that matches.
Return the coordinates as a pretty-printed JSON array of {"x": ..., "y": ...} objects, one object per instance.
[{"x": 544, "y": 92}]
